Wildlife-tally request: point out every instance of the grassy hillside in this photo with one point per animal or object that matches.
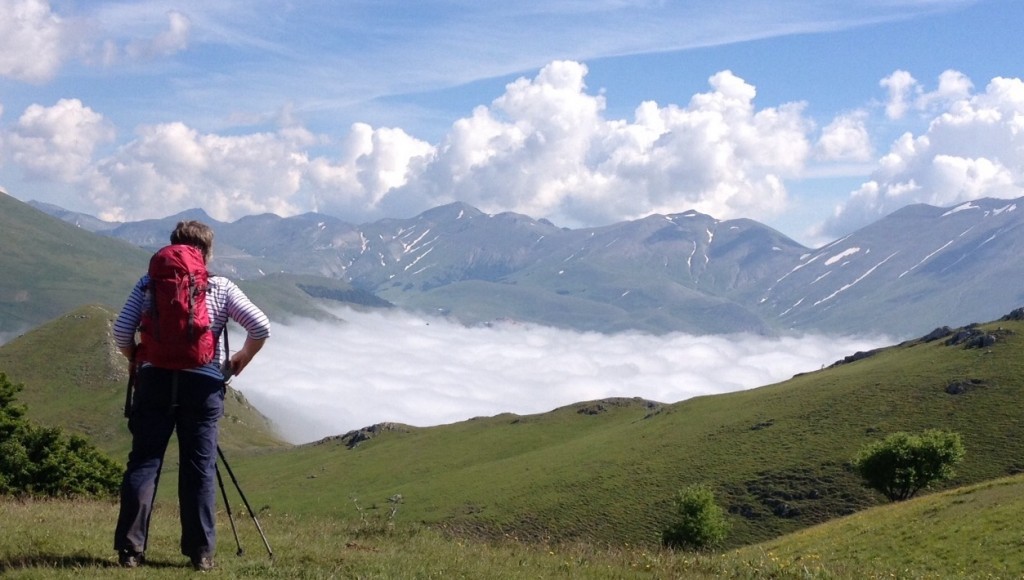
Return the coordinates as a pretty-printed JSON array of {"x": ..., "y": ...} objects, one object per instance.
[
  {"x": 969, "y": 532},
  {"x": 74, "y": 377},
  {"x": 604, "y": 472},
  {"x": 50, "y": 267}
]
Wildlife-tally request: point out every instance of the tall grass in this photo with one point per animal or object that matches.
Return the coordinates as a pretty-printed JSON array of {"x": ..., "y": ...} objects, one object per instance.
[
  {"x": 970, "y": 532},
  {"x": 57, "y": 539}
]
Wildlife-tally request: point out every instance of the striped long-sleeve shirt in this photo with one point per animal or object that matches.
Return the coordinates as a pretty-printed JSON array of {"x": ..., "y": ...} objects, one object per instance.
[{"x": 224, "y": 300}]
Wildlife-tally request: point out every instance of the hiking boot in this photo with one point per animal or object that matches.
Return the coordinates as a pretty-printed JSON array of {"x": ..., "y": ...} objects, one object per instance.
[
  {"x": 203, "y": 563},
  {"x": 130, "y": 558}
]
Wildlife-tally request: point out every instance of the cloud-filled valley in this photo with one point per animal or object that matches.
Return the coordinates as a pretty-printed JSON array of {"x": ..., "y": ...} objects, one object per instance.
[{"x": 319, "y": 378}]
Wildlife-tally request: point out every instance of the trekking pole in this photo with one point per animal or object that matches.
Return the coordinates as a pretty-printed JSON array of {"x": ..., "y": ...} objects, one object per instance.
[
  {"x": 227, "y": 506},
  {"x": 131, "y": 386},
  {"x": 234, "y": 480}
]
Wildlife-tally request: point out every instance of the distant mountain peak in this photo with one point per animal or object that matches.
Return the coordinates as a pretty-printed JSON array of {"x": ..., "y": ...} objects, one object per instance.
[
  {"x": 195, "y": 213},
  {"x": 454, "y": 210},
  {"x": 917, "y": 268}
]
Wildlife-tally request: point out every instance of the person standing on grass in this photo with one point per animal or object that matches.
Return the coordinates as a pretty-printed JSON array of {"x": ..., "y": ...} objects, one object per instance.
[{"x": 189, "y": 400}]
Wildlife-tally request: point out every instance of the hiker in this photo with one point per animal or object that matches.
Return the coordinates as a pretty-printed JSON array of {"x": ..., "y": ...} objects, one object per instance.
[{"x": 179, "y": 394}]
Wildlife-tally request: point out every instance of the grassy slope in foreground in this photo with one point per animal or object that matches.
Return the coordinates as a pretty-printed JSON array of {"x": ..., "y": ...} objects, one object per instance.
[
  {"x": 967, "y": 532},
  {"x": 972, "y": 531},
  {"x": 777, "y": 456}
]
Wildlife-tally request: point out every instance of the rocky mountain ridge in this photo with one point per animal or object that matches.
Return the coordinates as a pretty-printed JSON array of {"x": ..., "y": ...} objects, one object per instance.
[{"x": 915, "y": 269}]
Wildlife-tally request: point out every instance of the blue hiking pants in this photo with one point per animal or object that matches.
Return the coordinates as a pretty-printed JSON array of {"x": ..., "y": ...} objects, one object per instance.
[{"x": 191, "y": 404}]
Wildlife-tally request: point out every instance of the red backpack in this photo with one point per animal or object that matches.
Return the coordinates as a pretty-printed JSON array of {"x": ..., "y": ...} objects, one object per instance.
[{"x": 175, "y": 327}]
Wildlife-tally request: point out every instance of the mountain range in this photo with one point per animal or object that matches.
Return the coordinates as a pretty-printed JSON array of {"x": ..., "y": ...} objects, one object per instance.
[{"x": 909, "y": 272}]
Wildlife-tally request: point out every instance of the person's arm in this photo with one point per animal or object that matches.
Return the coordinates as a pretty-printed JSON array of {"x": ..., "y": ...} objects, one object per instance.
[
  {"x": 241, "y": 359},
  {"x": 253, "y": 320}
]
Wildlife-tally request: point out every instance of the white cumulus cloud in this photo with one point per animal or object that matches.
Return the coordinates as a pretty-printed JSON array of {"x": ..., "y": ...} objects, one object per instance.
[
  {"x": 972, "y": 148},
  {"x": 31, "y": 40},
  {"x": 545, "y": 148},
  {"x": 372, "y": 163},
  {"x": 58, "y": 142},
  {"x": 846, "y": 138},
  {"x": 172, "y": 167},
  {"x": 901, "y": 87}
]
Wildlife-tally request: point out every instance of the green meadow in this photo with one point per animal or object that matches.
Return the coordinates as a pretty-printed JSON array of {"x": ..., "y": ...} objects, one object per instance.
[{"x": 582, "y": 491}]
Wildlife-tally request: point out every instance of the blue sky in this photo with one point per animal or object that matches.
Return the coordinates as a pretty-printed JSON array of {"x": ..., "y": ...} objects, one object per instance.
[{"x": 815, "y": 116}]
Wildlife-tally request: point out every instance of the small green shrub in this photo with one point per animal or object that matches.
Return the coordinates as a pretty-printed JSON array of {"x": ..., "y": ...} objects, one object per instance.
[
  {"x": 43, "y": 461},
  {"x": 903, "y": 463},
  {"x": 700, "y": 522}
]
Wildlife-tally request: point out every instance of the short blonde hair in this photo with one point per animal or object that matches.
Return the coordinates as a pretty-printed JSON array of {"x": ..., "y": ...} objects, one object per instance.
[{"x": 194, "y": 233}]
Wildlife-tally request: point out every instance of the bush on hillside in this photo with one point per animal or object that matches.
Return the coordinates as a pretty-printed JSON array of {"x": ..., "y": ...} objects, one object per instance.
[
  {"x": 903, "y": 463},
  {"x": 43, "y": 461},
  {"x": 700, "y": 522}
]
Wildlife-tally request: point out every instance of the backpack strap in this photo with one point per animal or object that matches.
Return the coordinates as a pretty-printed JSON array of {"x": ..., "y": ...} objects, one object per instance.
[{"x": 192, "y": 288}]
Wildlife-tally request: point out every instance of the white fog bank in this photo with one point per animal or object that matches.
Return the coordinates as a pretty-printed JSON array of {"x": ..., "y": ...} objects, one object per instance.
[{"x": 316, "y": 379}]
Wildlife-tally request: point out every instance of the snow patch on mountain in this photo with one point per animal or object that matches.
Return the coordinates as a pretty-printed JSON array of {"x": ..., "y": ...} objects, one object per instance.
[
  {"x": 841, "y": 255},
  {"x": 846, "y": 287},
  {"x": 960, "y": 208},
  {"x": 925, "y": 259}
]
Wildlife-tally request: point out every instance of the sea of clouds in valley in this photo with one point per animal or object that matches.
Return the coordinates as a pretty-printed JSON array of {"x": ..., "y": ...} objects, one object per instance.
[{"x": 318, "y": 378}]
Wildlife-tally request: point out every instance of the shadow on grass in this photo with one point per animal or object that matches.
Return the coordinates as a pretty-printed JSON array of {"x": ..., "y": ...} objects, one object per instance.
[{"x": 63, "y": 561}]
